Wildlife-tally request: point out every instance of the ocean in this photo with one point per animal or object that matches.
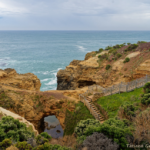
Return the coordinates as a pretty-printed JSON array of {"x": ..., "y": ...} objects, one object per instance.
[{"x": 44, "y": 53}]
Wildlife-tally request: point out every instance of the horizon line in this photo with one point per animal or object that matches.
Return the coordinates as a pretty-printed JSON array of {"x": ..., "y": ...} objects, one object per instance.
[{"x": 74, "y": 30}]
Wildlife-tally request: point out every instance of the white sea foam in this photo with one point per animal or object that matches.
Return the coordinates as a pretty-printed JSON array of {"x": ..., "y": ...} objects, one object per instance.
[
  {"x": 53, "y": 81},
  {"x": 81, "y": 48},
  {"x": 46, "y": 72},
  {"x": 45, "y": 79},
  {"x": 59, "y": 68}
]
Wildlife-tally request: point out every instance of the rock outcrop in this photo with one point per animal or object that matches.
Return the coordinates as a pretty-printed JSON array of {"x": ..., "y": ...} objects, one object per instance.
[
  {"x": 35, "y": 105},
  {"x": 93, "y": 70},
  {"x": 27, "y": 81}
]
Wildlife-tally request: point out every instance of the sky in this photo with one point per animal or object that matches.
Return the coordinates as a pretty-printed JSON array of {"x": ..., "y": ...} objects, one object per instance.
[{"x": 74, "y": 14}]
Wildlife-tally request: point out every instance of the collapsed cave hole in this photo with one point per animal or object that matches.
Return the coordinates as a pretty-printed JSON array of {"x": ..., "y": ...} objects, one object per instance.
[
  {"x": 83, "y": 83},
  {"x": 51, "y": 125}
]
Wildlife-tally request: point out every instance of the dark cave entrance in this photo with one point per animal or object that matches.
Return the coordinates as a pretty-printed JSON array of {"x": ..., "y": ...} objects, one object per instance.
[{"x": 84, "y": 83}]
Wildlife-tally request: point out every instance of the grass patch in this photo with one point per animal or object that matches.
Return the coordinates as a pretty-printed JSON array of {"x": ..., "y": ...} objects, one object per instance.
[
  {"x": 112, "y": 103},
  {"x": 81, "y": 112}
]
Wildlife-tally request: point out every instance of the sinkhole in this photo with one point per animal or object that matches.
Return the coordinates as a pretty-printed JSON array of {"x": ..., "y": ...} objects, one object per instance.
[{"x": 52, "y": 126}]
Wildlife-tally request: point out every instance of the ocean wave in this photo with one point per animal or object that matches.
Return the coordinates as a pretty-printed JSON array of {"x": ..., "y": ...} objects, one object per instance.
[
  {"x": 53, "y": 81},
  {"x": 46, "y": 72},
  {"x": 59, "y": 68},
  {"x": 45, "y": 79},
  {"x": 42, "y": 72},
  {"x": 82, "y": 49}
]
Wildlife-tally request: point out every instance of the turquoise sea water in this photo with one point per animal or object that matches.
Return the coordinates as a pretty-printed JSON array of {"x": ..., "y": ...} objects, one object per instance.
[{"x": 45, "y": 52}]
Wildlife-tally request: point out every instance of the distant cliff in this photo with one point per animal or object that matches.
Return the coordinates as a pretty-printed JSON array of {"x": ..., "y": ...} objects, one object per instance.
[{"x": 107, "y": 67}]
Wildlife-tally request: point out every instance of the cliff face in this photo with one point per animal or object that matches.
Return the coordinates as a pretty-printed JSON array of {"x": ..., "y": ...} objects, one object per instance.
[
  {"x": 26, "y": 81},
  {"x": 93, "y": 70},
  {"x": 33, "y": 105}
]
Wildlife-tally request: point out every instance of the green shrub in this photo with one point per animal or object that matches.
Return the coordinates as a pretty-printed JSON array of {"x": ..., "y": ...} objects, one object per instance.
[
  {"x": 126, "y": 60},
  {"x": 99, "y": 56},
  {"x": 5, "y": 144},
  {"x": 129, "y": 109},
  {"x": 146, "y": 88},
  {"x": 84, "y": 124},
  {"x": 41, "y": 140},
  {"x": 100, "y": 50},
  {"x": 119, "y": 55},
  {"x": 46, "y": 135},
  {"x": 128, "y": 43},
  {"x": 111, "y": 50},
  {"x": 132, "y": 47},
  {"x": 125, "y": 50},
  {"x": 115, "y": 52},
  {"x": 141, "y": 42},
  {"x": 145, "y": 99},
  {"x": 116, "y": 46},
  {"x": 12, "y": 128},
  {"x": 104, "y": 56},
  {"x": 108, "y": 48},
  {"x": 107, "y": 67},
  {"x": 47, "y": 146},
  {"x": 23, "y": 146},
  {"x": 114, "y": 129},
  {"x": 58, "y": 147}
]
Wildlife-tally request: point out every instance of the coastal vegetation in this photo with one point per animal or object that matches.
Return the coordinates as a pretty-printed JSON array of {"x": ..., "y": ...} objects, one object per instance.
[
  {"x": 112, "y": 103},
  {"x": 126, "y": 115},
  {"x": 125, "y": 125},
  {"x": 107, "y": 67},
  {"x": 81, "y": 112},
  {"x": 15, "y": 133},
  {"x": 126, "y": 60}
]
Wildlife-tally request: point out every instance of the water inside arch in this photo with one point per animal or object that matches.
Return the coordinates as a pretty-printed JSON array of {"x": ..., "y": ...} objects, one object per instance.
[{"x": 52, "y": 127}]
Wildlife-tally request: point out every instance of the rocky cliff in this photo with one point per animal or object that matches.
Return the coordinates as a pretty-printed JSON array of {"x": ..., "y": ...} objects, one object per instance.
[
  {"x": 26, "y": 81},
  {"x": 106, "y": 67},
  {"x": 35, "y": 105}
]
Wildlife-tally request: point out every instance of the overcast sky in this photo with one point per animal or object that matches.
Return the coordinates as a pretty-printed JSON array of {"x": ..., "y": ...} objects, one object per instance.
[{"x": 74, "y": 14}]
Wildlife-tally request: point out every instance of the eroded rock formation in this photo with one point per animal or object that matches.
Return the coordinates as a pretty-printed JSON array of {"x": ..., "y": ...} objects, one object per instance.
[
  {"x": 35, "y": 105},
  {"x": 92, "y": 70},
  {"x": 27, "y": 81}
]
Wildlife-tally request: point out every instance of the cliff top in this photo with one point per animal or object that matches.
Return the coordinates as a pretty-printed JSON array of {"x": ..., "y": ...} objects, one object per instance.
[{"x": 124, "y": 62}]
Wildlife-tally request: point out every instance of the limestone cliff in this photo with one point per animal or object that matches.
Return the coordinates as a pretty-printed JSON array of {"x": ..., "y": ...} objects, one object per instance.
[
  {"x": 35, "y": 105},
  {"x": 26, "y": 81},
  {"x": 93, "y": 70}
]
